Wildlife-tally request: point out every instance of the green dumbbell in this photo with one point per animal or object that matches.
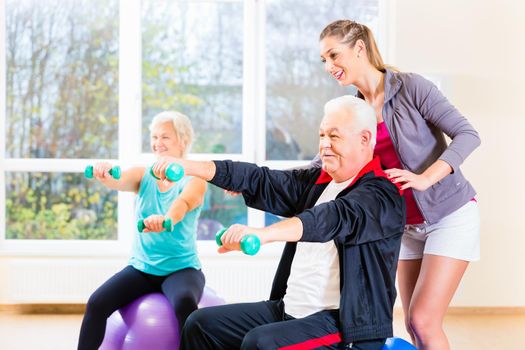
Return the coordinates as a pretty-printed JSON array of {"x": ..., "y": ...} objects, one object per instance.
[
  {"x": 166, "y": 224},
  {"x": 250, "y": 244},
  {"x": 114, "y": 172},
  {"x": 174, "y": 172}
]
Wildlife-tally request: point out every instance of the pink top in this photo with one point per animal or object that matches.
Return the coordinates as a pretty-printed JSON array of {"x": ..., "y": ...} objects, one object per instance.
[{"x": 385, "y": 150}]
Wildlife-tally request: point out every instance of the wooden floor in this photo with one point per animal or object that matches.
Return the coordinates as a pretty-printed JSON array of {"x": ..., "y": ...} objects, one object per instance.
[{"x": 465, "y": 331}]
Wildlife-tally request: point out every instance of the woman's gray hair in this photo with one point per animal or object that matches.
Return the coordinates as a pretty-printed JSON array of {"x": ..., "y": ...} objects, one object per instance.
[
  {"x": 181, "y": 125},
  {"x": 363, "y": 113}
]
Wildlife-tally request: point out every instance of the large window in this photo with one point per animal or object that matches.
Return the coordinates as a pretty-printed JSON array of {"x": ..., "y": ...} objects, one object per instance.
[
  {"x": 82, "y": 80},
  {"x": 193, "y": 64},
  {"x": 61, "y": 102}
]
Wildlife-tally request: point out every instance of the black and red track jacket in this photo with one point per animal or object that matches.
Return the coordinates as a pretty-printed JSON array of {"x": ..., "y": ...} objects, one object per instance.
[{"x": 366, "y": 222}]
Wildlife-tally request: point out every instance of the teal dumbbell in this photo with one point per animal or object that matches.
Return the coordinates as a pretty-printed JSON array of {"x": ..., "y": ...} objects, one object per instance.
[
  {"x": 250, "y": 244},
  {"x": 167, "y": 224},
  {"x": 115, "y": 172},
  {"x": 174, "y": 172}
]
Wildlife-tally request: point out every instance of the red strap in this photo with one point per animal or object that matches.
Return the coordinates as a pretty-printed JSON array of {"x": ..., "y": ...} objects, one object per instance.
[{"x": 315, "y": 343}]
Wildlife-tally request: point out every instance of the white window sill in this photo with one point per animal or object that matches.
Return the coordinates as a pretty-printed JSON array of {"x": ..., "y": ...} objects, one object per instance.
[{"x": 82, "y": 249}]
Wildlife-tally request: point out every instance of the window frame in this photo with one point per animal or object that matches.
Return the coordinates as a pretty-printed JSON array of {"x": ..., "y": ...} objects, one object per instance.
[{"x": 130, "y": 110}]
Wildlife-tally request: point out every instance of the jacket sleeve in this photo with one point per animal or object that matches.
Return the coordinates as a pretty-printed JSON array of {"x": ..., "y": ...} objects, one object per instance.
[
  {"x": 372, "y": 211},
  {"x": 436, "y": 109},
  {"x": 274, "y": 191}
]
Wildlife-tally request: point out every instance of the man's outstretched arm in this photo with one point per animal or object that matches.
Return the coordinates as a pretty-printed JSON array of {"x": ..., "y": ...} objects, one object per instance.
[{"x": 276, "y": 191}]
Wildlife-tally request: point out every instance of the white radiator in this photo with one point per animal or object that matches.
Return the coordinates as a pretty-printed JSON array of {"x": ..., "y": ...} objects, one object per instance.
[{"x": 24, "y": 280}]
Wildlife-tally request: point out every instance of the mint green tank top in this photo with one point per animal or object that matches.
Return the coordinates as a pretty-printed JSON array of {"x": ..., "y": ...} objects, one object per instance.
[{"x": 162, "y": 253}]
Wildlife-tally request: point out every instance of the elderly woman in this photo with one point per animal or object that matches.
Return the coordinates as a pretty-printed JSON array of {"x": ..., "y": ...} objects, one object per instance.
[{"x": 162, "y": 261}]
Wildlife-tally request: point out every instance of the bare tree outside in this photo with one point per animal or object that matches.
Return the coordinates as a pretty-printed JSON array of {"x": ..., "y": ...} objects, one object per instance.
[
  {"x": 297, "y": 86},
  {"x": 62, "y": 102},
  {"x": 193, "y": 64}
]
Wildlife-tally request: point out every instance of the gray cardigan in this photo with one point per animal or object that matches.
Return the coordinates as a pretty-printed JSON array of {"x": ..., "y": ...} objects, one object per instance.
[{"x": 416, "y": 115}]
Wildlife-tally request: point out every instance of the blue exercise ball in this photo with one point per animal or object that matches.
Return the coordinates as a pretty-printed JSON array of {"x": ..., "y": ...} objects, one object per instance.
[
  {"x": 148, "y": 322},
  {"x": 397, "y": 344}
]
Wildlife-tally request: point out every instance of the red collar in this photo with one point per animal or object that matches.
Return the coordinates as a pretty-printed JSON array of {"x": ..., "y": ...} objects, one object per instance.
[{"x": 373, "y": 165}]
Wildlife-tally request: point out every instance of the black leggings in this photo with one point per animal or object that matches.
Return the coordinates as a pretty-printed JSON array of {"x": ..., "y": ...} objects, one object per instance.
[{"x": 183, "y": 289}]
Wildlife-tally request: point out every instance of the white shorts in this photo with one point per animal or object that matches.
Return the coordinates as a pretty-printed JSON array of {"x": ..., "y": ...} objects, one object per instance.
[{"x": 456, "y": 236}]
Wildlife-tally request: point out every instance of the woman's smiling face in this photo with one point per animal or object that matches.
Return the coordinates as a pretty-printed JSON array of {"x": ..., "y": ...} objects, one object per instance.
[
  {"x": 340, "y": 61},
  {"x": 164, "y": 140}
]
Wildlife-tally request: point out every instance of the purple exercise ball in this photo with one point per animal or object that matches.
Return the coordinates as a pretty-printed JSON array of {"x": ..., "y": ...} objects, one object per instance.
[{"x": 149, "y": 322}]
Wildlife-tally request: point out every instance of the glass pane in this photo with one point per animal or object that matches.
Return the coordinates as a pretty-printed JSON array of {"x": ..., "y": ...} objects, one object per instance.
[
  {"x": 192, "y": 63},
  {"x": 297, "y": 85},
  {"x": 61, "y": 78},
  {"x": 59, "y": 206},
  {"x": 220, "y": 210}
]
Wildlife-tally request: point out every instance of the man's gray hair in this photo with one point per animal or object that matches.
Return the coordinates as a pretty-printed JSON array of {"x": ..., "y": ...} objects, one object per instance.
[
  {"x": 181, "y": 124},
  {"x": 363, "y": 113}
]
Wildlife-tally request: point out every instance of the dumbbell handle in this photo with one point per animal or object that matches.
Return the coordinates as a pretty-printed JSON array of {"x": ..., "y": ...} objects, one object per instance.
[
  {"x": 115, "y": 172},
  {"x": 250, "y": 244},
  {"x": 174, "y": 172},
  {"x": 167, "y": 224}
]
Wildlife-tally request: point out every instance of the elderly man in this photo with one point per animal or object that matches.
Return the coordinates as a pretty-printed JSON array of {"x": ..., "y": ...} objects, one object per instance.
[{"x": 335, "y": 284}]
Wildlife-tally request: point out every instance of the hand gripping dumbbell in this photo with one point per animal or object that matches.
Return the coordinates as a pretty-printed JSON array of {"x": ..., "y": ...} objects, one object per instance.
[
  {"x": 250, "y": 244},
  {"x": 114, "y": 172},
  {"x": 167, "y": 224},
  {"x": 174, "y": 172}
]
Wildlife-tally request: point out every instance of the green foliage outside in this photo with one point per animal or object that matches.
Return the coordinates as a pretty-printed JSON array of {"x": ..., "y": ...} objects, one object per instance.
[{"x": 75, "y": 210}]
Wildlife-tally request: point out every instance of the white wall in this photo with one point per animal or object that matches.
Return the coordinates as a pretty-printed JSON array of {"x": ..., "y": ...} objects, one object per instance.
[{"x": 477, "y": 48}]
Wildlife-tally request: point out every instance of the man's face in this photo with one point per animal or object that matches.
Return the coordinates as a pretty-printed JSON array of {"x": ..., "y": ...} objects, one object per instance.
[{"x": 341, "y": 145}]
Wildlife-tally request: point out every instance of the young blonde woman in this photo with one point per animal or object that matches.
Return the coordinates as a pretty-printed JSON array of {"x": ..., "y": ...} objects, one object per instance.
[
  {"x": 163, "y": 260},
  {"x": 442, "y": 232}
]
